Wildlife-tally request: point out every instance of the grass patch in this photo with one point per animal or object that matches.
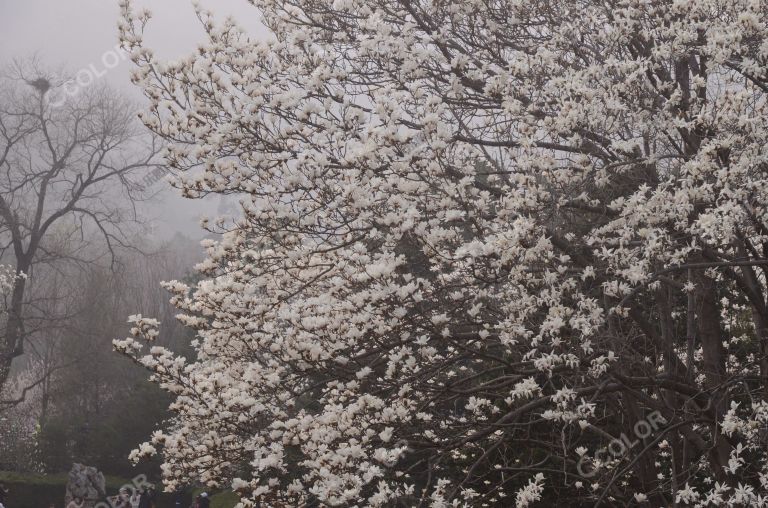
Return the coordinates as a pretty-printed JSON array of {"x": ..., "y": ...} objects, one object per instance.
[{"x": 224, "y": 500}]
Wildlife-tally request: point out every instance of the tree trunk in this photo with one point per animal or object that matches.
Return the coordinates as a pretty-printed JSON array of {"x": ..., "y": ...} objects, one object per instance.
[
  {"x": 713, "y": 364},
  {"x": 13, "y": 339}
]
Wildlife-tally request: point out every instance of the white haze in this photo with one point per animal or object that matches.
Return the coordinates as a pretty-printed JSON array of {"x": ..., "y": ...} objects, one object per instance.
[{"x": 75, "y": 34}]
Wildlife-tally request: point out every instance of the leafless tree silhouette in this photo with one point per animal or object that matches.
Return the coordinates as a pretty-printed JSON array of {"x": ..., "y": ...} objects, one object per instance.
[{"x": 69, "y": 173}]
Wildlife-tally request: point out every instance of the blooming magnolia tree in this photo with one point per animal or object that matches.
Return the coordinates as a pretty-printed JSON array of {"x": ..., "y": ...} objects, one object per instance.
[{"x": 479, "y": 243}]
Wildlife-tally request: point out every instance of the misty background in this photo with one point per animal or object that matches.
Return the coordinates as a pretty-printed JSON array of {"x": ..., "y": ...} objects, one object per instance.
[
  {"x": 75, "y": 34},
  {"x": 74, "y": 400}
]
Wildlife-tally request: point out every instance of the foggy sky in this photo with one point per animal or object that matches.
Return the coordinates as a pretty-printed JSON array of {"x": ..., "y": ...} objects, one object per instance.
[{"x": 76, "y": 34}]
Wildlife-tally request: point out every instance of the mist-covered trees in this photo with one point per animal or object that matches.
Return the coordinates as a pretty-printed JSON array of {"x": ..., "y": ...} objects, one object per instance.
[
  {"x": 66, "y": 171},
  {"x": 479, "y": 242},
  {"x": 72, "y": 263},
  {"x": 93, "y": 406}
]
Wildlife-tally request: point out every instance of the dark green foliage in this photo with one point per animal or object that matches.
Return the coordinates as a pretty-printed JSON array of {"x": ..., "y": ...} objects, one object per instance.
[{"x": 103, "y": 439}]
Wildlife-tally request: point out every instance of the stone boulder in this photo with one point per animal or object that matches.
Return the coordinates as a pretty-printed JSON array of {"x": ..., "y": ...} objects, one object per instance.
[{"x": 87, "y": 483}]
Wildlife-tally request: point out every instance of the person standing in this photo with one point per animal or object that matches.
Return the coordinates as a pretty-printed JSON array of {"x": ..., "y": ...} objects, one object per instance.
[
  {"x": 152, "y": 496},
  {"x": 204, "y": 501},
  {"x": 144, "y": 500}
]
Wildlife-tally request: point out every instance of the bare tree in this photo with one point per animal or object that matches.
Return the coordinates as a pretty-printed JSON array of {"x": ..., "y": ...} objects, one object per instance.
[{"x": 68, "y": 175}]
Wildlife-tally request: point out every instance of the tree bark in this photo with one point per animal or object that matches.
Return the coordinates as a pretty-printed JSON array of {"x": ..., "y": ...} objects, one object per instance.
[{"x": 713, "y": 364}]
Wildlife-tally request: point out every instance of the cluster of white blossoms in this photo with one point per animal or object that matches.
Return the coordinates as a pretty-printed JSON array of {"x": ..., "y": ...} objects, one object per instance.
[
  {"x": 9, "y": 278},
  {"x": 477, "y": 241}
]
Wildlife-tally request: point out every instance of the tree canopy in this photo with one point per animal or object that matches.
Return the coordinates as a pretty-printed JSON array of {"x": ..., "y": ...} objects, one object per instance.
[{"x": 478, "y": 242}]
